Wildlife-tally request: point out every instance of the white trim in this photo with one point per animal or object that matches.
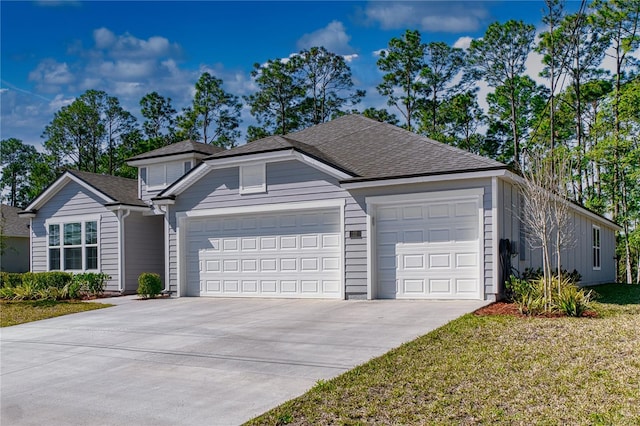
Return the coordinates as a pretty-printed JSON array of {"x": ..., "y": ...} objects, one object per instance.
[
  {"x": 31, "y": 236},
  {"x": 167, "y": 284},
  {"x": 264, "y": 208},
  {"x": 170, "y": 158},
  {"x": 59, "y": 184},
  {"x": 164, "y": 202},
  {"x": 264, "y": 157},
  {"x": 258, "y": 189},
  {"x": 63, "y": 220},
  {"x": 425, "y": 197},
  {"x": 495, "y": 236},
  {"x": 267, "y": 157},
  {"x": 182, "y": 217},
  {"x": 118, "y": 207},
  {"x": 122, "y": 265},
  {"x": 319, "y": 165},
  {"x": 28, "y": 215},
  {"x": 423, "y": 179},
  {"x": 599, "y": 247}
]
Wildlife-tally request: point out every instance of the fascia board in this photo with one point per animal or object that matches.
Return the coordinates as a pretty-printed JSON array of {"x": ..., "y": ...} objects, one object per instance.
[
  {"x": 423, "y": 179},
  {"x": 52, "y": 190}
]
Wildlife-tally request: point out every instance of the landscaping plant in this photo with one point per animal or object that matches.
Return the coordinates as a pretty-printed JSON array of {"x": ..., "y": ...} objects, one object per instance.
[{"x": 149, "y": 285}]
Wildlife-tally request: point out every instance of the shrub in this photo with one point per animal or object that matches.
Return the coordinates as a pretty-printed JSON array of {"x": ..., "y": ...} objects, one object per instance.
[
  {"x": 91, "y": 283},
  {"x": 149, "y": 285},
  {"x": 10, "y": 279},
  {"x": 573, "y": 301},
  {"x": 531, "y": 274}
]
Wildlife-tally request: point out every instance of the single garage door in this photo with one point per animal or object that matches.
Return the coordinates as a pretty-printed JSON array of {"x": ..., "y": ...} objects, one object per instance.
[
  {"x": 289, "y": 254},
  {"x": 428, "y": 250}
]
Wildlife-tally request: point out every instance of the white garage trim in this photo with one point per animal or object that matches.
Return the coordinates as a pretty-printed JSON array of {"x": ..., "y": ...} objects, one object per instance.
[
  {"x": 183, "y": 217},
  {"x": 374, "y": 202}
]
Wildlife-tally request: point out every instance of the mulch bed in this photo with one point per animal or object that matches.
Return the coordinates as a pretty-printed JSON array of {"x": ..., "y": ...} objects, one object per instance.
[{"x": 507, "y": 308}]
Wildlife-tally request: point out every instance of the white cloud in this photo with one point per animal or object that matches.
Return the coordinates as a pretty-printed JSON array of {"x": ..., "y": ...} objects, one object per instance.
[
  {"x": 50, "y": 75},
  {"x": 58, "y": 102},
  {"x": 350, "y": 58},
  {"x": 128, "y": 46},
  {"x": 427, "y": 16},
  {"x": 333, "y": 37},
  {"x": 463, "y": 42},
  {"x": 377, "y": 53}
]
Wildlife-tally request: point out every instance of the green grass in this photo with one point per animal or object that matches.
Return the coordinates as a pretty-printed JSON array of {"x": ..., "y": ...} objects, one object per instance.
[
  {"x": 494, "y": 370},
  {"x": 13, "y": 313}
]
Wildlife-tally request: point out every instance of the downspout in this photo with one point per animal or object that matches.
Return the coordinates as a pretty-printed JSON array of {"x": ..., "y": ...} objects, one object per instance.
[
  {"x": 165, "y": 210},
  {"x": 121, "y": 257},
  {"x": 31, "y": 246}
]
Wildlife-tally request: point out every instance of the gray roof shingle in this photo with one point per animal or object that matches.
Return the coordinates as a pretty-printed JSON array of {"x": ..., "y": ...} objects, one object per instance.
[
  {"x": 122, "y": 190},
  {"x": 12, "y": 225},
  {"x": 184, "y": 147},
  {"x": 368, "y": 149}
]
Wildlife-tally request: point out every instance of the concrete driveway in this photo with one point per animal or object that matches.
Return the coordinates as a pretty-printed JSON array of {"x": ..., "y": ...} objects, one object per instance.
[{"x": 195, "y": 361}]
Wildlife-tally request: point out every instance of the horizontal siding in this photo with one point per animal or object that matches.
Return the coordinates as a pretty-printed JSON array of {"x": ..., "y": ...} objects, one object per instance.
[
  {"x": 576, "y": 255},
  {"x": 287, "y": 182},
  {"x": 74, "y": 200}
]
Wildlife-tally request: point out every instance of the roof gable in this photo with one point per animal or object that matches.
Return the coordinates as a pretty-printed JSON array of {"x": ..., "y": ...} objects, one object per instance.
[{"x": 113, "y": 190}]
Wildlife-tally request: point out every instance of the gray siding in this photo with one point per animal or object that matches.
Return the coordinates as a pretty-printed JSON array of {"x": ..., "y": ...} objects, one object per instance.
[
  {"x": 287, "y": 182},
  {"x": 144, "y": 248},
  {"x": 577, "y": 255},
  {"x": 74, "y": 200},
  {"x": 358, "y": 221}
]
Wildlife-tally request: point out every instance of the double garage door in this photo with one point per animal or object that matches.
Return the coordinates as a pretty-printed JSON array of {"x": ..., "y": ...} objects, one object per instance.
[
  {"x": 422, "y": 250},
  {"x": 288, "y": 254},
  {"x": 428, "y": 250}
]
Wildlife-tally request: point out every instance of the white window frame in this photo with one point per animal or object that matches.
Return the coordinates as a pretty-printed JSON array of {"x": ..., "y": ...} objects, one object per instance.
[
  {"x": 254, "y": 189},
  {"x": 83, "y": 220},
  {"x": 596, "y": 248},
  {"x": 163, "y": 166}
]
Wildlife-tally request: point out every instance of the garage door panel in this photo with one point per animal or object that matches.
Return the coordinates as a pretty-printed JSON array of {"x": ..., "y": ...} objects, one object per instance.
[
  {"x": 291, "y": 255},
  {"x": 429, "y": 249}
]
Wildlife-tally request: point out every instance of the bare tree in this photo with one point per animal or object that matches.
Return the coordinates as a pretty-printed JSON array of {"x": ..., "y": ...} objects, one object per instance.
[{"x": 546, "y": 214}]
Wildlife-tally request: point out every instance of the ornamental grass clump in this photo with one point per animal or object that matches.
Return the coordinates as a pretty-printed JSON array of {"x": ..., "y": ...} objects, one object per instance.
[
  {"x": 537, "y": 296},
  {"x": 149, "y": 285}
]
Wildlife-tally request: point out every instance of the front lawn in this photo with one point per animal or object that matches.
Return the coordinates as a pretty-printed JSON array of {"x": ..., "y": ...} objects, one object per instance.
[
  {"x": 13, "y": 313},
  {"x": 494, "y": 369}
]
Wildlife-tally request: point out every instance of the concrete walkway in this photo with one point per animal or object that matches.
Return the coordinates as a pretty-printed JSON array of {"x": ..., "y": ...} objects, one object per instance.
[{"x": 195, "y": 361}]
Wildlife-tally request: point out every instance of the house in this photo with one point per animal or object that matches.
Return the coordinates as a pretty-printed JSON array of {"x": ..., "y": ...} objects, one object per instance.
[
  {"x": 14, "y": 240},
  {"x": 349, "y": 209}
]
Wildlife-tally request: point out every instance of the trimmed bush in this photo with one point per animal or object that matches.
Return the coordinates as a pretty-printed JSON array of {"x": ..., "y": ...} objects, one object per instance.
[
  {"x": 91, "y": 283},
  {"x": 149, "y": 285}
]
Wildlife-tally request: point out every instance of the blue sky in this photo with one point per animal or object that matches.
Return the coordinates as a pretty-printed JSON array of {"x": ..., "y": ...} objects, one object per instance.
[{"x": 52, "y": 51}]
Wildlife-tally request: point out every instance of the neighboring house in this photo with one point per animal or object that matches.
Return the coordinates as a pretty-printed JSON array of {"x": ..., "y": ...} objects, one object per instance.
[
  {"x": 14, "y": 240},
  {"x": 352, "y": 208}
]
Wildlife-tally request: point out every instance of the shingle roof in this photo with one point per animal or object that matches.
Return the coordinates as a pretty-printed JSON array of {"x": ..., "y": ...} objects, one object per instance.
[
  {"x": 368, "y": 149},
  {"x": 122, "y": 190},
  {"x": 12, "y": 225},
  {"x": 184, "y": 147}
]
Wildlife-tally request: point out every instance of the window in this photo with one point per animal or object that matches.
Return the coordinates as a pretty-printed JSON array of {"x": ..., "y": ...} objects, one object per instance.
[
  {"x": 162, "y": 175},
  {"x": 596, "y": 247},
  {"x": 253, "y": 179},
  {"x": 77, "y": 250}
]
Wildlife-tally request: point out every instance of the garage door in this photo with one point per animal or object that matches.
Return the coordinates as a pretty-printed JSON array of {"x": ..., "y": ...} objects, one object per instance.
[
  {"x": 271, "y": 255},
  {"x": 428, "y": 250}
]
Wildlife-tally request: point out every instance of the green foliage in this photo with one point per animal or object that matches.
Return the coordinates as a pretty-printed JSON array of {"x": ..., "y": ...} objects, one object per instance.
[
  {"x": 402, "y": 62},
  {"x": 149, "y": 285},
  {"x": 533, "y": 274},
  {"x": 573, "y": 301},
  {"x": 10, "y": 279},
  {"x": 159, "y": 121},
  {"x": 16, "y": 161},
  {"x": 532, "y": 297},
  {"x": 54, "y": 285},
  {"x": 90, "y": 283}
]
